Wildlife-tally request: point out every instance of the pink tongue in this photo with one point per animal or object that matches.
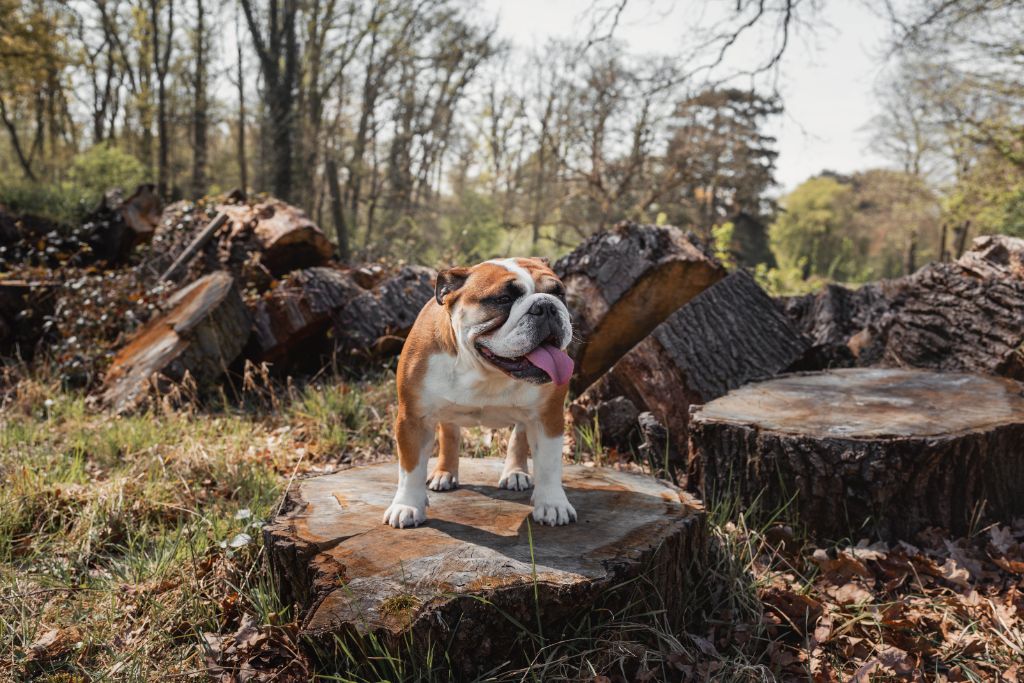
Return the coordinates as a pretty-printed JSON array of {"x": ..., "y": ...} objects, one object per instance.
[{"x": 553, "y": 361}]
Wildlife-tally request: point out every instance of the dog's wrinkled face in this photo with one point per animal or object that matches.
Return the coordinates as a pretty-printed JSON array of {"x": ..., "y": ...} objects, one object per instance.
[{"x": 510, "y": 315}]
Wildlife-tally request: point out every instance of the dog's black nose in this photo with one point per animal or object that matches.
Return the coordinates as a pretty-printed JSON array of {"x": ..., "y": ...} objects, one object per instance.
[{"x": 545, "y": 308}]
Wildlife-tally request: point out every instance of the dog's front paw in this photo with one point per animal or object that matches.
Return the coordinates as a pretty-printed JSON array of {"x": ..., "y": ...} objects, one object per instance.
[
  {"x": 442, "y": 481},
  {"x": 553, "y": 509},
  {"x": 400, "y": 515},
  {"x": 515, "y": 481}
]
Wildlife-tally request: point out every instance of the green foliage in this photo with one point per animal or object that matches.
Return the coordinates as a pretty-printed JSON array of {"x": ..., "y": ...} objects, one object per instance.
[
  {"x": 991, "y": 196},
  {"x": 723, "y": 238},
  {"x": 103, "y": 167},
  {"x": 59, "y": 202},
  {"x": 811, "y": 233}
]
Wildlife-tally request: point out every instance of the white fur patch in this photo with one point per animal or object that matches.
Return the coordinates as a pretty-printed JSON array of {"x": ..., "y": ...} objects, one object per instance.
[{"x": 522, "y": 275}]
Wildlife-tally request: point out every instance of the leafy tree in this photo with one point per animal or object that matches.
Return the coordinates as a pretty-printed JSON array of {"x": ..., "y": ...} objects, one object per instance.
[{"x": 812, "y": 231}]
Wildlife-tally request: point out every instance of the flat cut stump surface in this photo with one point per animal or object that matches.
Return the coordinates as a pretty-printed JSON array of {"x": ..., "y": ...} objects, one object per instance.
[
  {"x": 459, "y": 580},
  {"x": 888, "y": 450}
]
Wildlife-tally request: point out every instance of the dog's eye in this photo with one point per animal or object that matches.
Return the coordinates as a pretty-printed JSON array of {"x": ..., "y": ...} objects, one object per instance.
[{"x": 503, "y": 300}]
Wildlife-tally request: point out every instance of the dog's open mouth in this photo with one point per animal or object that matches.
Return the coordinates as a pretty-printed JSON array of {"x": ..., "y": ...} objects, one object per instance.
[{"x": 545, "y": 363}]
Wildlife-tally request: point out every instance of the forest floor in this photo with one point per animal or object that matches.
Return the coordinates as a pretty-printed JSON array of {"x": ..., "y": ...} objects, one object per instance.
[{"x": 130, "y": 549}]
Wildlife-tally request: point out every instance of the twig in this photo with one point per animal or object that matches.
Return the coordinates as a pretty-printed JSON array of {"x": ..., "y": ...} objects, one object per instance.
[{"x": 198, "y": 243}]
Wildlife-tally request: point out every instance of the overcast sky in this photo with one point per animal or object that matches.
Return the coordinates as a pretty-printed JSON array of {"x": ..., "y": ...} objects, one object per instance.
[{"x": 826, "y": 78}]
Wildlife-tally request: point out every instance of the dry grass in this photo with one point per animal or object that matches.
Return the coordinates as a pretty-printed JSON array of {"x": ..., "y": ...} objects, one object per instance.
[{"x": 130, "y": 550}]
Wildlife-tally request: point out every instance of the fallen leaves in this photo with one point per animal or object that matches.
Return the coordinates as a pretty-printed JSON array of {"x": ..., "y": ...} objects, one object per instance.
[
  {"x": 256, "y": 652},
  {"x": 943, "y": 609}
]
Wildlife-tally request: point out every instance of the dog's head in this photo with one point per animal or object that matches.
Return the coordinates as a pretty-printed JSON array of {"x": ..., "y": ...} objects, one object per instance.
[{"x": 510, "y": 315}]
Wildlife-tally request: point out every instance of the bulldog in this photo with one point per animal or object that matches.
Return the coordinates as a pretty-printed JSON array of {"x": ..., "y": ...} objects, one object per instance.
[{"x": 488, "y": 349}]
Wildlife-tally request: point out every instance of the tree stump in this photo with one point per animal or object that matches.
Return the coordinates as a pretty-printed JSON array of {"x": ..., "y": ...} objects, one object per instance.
[
  {"x": 203, "y": 331},
  {"x": 458, "y": 582},
  {"x": 893, "y": 451},
  {"x": 728, "y": 335},
  {"x": 622, "y": 283}
]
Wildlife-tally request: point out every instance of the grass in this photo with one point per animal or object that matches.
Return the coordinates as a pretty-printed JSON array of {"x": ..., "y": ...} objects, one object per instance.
[{"x": 130, "y": 549}]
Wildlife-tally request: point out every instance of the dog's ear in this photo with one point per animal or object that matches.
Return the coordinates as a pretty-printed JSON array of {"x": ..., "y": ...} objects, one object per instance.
[
  {"x": 543, "y": 259},
  {"x": 448, "y": 281}
]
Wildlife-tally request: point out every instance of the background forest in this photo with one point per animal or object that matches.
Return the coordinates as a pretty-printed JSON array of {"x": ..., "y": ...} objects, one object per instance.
[{"x": 409, "y": 130}]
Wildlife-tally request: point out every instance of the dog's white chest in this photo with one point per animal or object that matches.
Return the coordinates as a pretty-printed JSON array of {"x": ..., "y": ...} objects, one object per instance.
[{"x": 467, "y": 396}]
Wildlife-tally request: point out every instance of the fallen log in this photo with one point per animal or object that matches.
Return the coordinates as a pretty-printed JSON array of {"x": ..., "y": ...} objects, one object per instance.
[
  {"x": 466, "y": 581},
  {"x": 623, "y": 283},
  {"x": 291, "y": 322},
  {"x": 203, "y": 330},
  {"x": 321, "y": 311},
  {"x": 728, "y": 335},
  {"x": 831, "y": 320},
  {"x": 994, "y": 256},
  {"x": 377, "y": 322},
  {"x": 613, "y": 419},
  {"x": 944, "y": 319},
  {"x": 882, "y": 450}
]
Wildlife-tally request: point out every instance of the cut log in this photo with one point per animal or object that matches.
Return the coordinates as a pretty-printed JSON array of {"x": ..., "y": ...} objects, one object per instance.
[
  {"x": 203, "y": 331},
  {"x": 728, "y": 335},
  {"x": 944, "y": 319},
  {"x": 832, "y": 319},
  {"x": 319, "y": 311},
  {"x": 614, "y": 419},
  {"x": 479, "y": 570},
  {"x": 995, "y": 256},
  {"x": 118, "y": 225},
  {"x": 622, "y": 284},
  {"x": 291, "y": 322},
  {"x": 887, "y": 450},
  {"x": 282, "y": 235},
  {"x": 376, "y": 322}
]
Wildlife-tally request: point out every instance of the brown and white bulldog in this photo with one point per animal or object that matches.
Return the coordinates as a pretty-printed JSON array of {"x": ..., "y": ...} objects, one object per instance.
[{"x": 489, "y": 349}]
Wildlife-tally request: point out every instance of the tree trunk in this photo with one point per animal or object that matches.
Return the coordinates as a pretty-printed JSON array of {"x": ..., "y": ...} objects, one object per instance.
[
  {"x": 203, "y": 331},
  {"x": 893, "y": 451},
  {"x": 479, "y": 570},
  {"x": 199, "y": 116},
  {"x": 242, "y": 162},
  {"x": 621, "y": 284},
  {"x": 728, "y": 335},
  {"x": 338, "y": 212}
]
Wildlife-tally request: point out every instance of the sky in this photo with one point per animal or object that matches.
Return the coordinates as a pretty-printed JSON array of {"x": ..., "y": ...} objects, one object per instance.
[{"x": 826, "y": 79}]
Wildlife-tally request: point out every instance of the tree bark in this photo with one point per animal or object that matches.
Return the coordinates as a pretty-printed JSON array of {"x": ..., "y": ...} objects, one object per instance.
[
  {"x": 995, "y": 256},
  {"x": 893, "y": 451},
  {"x": 204, "y": 329},
  {"x": 621, "y": 284},
  {"x": 728, "y": 335},
  {"x": 338, "y": 212},
  {"x": 478, "y": 571},
  {"x": 947, "y": 319},
  {"x": 199, "y": 106}
]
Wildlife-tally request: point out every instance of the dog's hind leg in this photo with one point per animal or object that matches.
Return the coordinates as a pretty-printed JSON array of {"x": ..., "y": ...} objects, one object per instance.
[
  {"x": 516, "y": 476},
  {"x": 446, "y": 474}
]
